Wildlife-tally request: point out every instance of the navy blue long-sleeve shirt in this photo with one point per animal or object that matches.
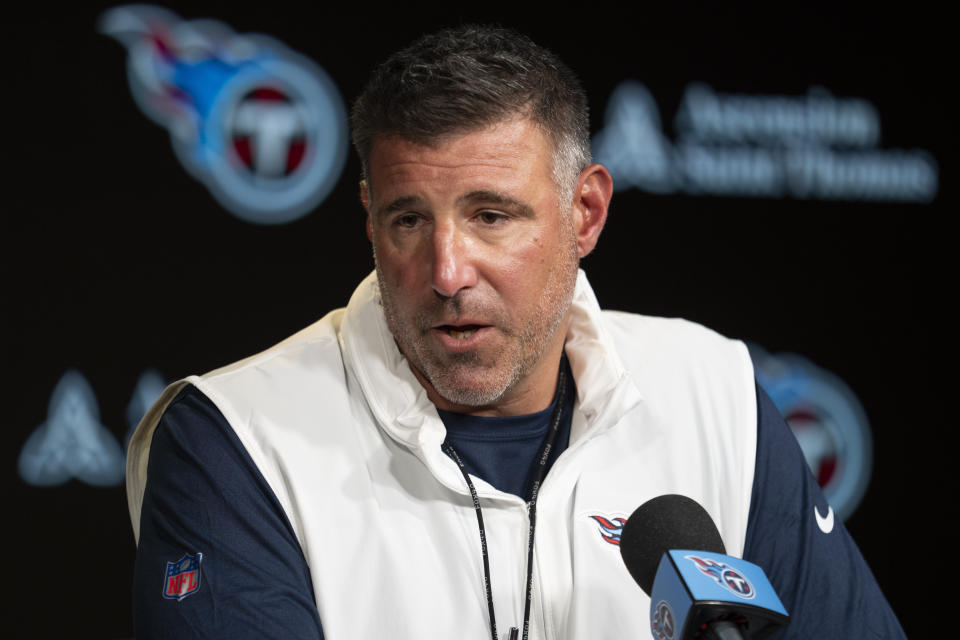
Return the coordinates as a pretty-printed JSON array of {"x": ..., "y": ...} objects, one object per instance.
[{"x": 205, "y": 495}]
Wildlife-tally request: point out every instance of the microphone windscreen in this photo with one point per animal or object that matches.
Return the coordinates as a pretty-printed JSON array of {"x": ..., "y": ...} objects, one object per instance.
[{"x": 666, "y": 522}]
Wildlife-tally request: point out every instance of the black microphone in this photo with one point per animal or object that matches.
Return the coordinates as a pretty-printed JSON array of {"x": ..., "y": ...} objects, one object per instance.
[{"x": 673, "y": 550}]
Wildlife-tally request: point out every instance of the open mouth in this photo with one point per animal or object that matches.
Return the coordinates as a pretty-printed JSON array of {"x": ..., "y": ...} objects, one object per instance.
[{"x": 461, "y": 332}]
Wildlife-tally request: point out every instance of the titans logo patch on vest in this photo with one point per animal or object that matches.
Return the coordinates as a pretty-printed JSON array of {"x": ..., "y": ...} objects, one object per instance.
[{"x": 610, "y": 529}]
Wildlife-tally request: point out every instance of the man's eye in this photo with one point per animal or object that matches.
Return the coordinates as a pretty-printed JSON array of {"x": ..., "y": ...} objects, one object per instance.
[
  {"x": 491, "y": 217},
  {"x": 407, "y": 220}
]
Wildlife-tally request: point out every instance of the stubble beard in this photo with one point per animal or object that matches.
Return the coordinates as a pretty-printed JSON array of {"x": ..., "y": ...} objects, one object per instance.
[{"x": 466, "y": 378}]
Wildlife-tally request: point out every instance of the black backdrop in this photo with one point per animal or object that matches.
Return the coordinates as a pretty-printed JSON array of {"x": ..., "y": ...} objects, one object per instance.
[{"x": 116, "y": 260}]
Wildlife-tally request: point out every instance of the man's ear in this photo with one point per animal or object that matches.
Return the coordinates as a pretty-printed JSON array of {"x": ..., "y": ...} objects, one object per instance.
[
  {"x": 590, "y": 202},
  {"x": 365, "y": 200}
]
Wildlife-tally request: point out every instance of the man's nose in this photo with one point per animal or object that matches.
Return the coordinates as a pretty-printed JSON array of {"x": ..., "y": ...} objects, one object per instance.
[{"x": 454, "y": 265}]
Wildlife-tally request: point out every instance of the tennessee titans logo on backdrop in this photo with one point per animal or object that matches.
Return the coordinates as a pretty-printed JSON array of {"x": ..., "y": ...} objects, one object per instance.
[
  {"x": 610, "y": 529},
  {"x": 828, "y": 421},
  {"x": 182, "y": 578},
  {"x": 728, "y": 577},
  {"x": 263, "y": 127}
]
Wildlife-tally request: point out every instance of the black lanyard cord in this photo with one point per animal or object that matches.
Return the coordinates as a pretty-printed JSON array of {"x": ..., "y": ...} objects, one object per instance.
[
  {"x": 531, "y": 512},
  {"x": 483, "y": 538}
]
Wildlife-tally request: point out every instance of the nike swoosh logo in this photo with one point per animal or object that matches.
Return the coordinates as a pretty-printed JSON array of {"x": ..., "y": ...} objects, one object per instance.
[{"x": 824, "y": 522}]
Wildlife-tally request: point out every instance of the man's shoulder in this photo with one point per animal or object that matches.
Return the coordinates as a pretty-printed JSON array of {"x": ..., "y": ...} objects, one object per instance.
[
  {"x": 656, "y": 333},
  {"x": 316, "y": 345},
  {"x": 663, "y": 351}
]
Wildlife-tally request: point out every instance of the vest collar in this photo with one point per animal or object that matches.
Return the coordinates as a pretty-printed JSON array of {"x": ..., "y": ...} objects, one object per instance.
[{"x": 605, "y": 390}]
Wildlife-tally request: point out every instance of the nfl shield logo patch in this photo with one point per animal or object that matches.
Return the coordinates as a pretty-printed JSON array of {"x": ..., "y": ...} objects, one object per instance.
[{"x": 182, "y": 577}]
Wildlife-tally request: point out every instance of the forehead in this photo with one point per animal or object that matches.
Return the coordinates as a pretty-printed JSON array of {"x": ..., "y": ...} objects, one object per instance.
[{"x": 514, "y": 153}]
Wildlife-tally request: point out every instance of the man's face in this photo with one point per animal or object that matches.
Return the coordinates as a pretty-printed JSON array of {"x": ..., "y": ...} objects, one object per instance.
[{"x": 477, "y": 262}]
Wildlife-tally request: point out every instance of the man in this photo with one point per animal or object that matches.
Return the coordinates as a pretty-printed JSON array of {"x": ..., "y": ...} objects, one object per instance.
[{"x": 452, "y": 454}]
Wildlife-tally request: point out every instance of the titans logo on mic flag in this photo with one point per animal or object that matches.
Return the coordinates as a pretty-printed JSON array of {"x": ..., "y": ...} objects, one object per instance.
[
  {"x": 726, "y": 576},
  {"x": 182, "y": 577}
]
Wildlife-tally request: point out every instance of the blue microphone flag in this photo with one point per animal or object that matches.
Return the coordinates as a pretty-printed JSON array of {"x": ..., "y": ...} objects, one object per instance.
[{"x": 694, "y": 588}]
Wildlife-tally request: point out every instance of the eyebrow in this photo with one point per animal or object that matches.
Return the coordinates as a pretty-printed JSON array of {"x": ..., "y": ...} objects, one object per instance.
[
  {"x": 404, "y": 202},
  {"x": 480, "y": 196},
  {"x": 484, "y": 196}
]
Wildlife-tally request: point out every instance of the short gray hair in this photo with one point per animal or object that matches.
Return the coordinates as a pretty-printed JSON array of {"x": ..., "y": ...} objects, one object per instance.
[{"x": 465, "y": 78}]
